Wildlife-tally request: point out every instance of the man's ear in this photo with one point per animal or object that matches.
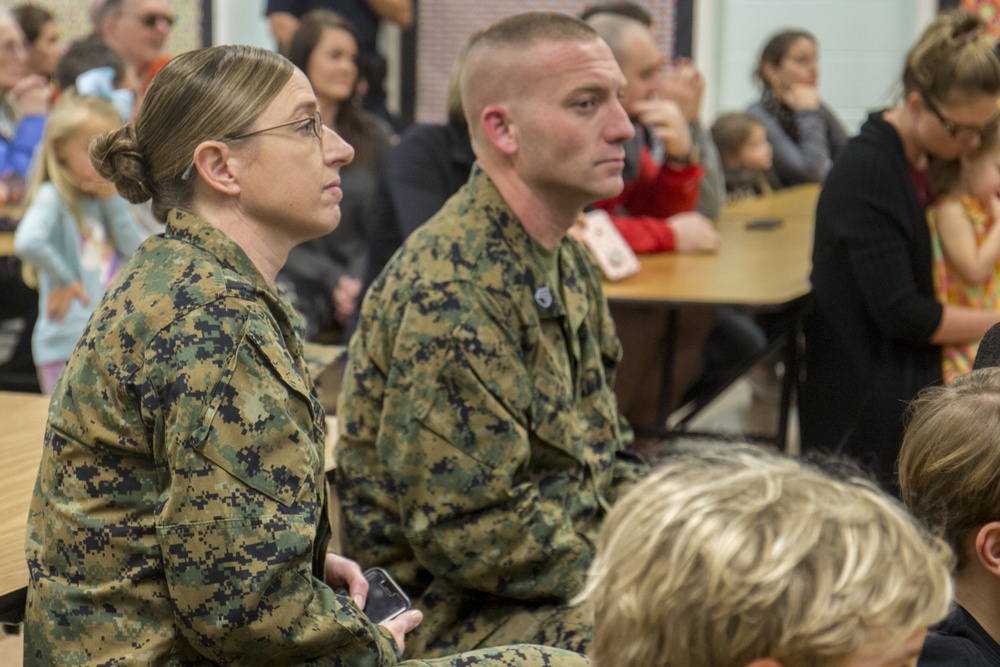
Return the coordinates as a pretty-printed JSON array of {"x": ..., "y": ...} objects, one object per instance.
[
  {"x": 109, "y": 22},
  {"x": 212, "y": 161},
  {"x": 499, "y": 128},
  {"x": 988, "y": 547}
]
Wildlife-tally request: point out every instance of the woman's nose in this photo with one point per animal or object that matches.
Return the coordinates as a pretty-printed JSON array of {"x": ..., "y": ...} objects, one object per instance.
[{"x": 335, "y": 149}]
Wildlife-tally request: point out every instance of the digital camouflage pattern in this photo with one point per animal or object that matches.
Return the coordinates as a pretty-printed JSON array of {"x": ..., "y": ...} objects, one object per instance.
[
  {"x": 179, "y": 516},
  {"x": 508, "y": 656},
  {"x": 480, "y": 441},
  {"x": 180, "y": 505}
]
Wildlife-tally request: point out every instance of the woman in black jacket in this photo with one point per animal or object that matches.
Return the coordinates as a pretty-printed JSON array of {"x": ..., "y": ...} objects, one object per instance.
[{"x": 873, "y": 335}]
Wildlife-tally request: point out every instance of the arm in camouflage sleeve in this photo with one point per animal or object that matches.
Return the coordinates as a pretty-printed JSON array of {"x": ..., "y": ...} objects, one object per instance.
[
  {"x": 521, "y": 655},
  {"x": 237, "y": 523},
  {"x": 455, "y": 438},
  {"x": 629, "y": 468}
]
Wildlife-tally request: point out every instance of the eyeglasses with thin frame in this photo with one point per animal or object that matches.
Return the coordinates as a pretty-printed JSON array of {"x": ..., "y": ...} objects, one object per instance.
[
  {"x": 315, "y": 126},
  {"x": 313, "y": 123},
  {"x": 153, "y": 20},
  {"x": 956, "y": 129}
]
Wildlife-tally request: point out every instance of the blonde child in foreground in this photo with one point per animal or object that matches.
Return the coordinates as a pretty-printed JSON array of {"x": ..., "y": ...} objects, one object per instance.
[
  {"x": 964, "y": 239},
  {"x": 75, "y": 233},
  {"x": 728, "y": 556}
]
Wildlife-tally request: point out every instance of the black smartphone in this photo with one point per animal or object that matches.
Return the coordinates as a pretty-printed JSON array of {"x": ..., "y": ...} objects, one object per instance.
[
  {"x": 764, "y": 223},
  {"x": 386, "y": 600}
]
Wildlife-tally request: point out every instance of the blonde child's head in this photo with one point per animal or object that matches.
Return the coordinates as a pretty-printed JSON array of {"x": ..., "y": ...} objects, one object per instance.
[
  {"x": 742, "y": 141},
  {"x": 976, "y": 174},
  {"x": 64, "y": 161},
  {"x": 727, "y": 555}
]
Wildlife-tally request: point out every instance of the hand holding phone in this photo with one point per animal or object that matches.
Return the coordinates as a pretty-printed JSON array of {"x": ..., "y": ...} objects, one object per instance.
[{"x": 386, "y": 600}]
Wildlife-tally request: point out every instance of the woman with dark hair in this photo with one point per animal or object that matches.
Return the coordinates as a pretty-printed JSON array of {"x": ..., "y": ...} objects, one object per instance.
[
  {"x": 42, "y": 36},
  {"x": 323, "y": 276},
  {"x": 802, "y": 131}
]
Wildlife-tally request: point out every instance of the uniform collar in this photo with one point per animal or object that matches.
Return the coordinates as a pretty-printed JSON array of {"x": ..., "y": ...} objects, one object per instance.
[
  {"x": 571, "y": 301},
  {"x": 192, "y": 229}
]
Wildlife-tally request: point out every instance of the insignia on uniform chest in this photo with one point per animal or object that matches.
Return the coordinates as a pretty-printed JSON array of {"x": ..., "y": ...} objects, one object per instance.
[{"x": 543, "y": 296}]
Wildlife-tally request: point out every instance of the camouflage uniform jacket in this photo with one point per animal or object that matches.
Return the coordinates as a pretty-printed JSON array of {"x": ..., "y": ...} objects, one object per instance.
[
  {"x": 179, "y": 515},
  {"x": 480, "y": 441}
]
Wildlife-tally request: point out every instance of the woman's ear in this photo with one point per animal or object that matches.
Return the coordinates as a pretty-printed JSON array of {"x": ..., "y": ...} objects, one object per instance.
[
  {"x": 770, "y": 75},
  {"x": 988, "y": 547},
  {"x": 212, "y": 161}
]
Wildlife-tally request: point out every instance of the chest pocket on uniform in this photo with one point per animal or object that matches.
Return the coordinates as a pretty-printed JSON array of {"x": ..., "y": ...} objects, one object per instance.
[
  {"x": 262, "y": 424},
  {"x": 479, "y": 400}
]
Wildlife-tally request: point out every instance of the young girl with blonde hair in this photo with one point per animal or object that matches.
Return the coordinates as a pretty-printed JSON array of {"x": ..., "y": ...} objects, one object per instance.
[
  {"x": 965, "y": 239},
  {"x": 75, "y": 231}
]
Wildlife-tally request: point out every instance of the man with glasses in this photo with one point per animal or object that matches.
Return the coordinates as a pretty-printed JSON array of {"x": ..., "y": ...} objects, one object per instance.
[{"x": 138, "y": 30}]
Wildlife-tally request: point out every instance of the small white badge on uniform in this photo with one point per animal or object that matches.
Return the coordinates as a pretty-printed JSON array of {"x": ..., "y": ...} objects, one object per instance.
[{"x": 543, "y": 296}]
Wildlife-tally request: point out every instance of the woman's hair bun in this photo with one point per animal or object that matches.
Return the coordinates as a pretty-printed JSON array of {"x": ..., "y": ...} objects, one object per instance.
[{"x": 117, "y": 157}]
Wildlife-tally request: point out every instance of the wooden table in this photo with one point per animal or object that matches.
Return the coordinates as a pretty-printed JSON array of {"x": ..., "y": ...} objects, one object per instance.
[
  {"x": 22, "y": 432},
  {"x": 766, "y": 270}
]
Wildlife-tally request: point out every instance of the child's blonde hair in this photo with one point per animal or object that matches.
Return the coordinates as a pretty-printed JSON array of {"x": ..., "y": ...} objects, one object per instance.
[
  {"x": 65, "y": 119},
  {"x": 69, "y": 114},
  {"x": 727, "y": 554},
  {"x": 944, "y": 174}
]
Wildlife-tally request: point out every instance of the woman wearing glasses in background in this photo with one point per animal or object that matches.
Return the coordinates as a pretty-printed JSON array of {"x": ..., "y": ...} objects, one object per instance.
[{"x": 874, "y": 331}]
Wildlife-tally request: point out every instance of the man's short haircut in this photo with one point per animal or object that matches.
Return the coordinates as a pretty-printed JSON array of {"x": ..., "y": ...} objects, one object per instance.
[
  {"x": 521, "y": 29},
  {"x": 616, "y": 30},
  {"x": 110, "y": 7},
  {"x": 949, "y": 462},
  {"x": 623, "y": 8},
  {"x": 486, "y": 69},
  {"x": 726, "y": 554}
]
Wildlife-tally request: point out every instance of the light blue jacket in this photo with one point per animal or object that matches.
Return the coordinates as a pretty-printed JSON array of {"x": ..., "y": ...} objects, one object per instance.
[{"x": 49, "y": 239}]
